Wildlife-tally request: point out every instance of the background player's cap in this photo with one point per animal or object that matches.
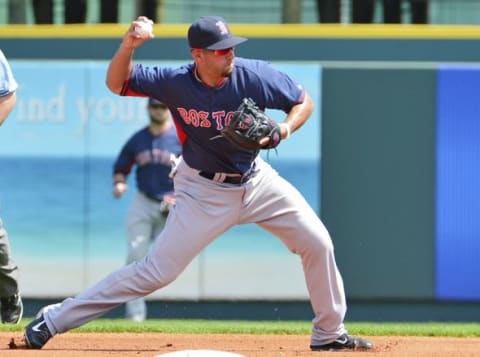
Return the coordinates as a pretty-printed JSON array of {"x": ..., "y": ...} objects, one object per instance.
[
  {"x": 152, "y": 102},
  {"x": 212, "y": 33}
]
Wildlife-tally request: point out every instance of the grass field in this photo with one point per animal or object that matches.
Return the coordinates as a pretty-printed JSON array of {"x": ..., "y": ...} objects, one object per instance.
[{"x": 268, "y": 327}]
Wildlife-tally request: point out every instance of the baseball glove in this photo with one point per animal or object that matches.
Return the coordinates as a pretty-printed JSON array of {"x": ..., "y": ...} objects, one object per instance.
[{"x": 249, "y": 125}]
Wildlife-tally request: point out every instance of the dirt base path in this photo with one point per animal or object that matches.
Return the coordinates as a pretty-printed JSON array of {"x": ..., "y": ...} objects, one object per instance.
[{"x": 154, "y": 344}]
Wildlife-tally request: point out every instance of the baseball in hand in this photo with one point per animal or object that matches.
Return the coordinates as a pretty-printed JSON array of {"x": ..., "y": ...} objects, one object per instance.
[{"x": 144, "y": 29}]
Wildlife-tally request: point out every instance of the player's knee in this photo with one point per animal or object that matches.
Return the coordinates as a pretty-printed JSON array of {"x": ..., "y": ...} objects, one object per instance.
[
  {"x": 318, "y": 246},
  {"x": 159, "y": 274}
]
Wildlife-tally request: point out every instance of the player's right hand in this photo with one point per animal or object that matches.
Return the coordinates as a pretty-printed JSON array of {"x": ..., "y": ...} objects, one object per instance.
[
  {"x": 133, "y": 38},
  {"x": 119, "y": 189}
]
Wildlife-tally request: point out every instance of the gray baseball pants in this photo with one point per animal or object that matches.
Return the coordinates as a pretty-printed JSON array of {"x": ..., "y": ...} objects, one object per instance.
[
  {"x": 8, "y": 268},
  {"x": 145, "y": 222},
  {"x": 205, "y": 209}
]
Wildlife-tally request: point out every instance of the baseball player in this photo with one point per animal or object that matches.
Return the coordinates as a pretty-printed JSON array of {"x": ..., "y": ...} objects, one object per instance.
[
  {"x": 11, "y": 309},
  {"x": 150, "y": 150},
  {"x": 217, "y": 184}
]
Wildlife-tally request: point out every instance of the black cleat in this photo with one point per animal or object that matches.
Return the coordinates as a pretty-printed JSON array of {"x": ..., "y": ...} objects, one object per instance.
[
  {"x": 37, "y": 333},
  {"x": 344, "y": 342},
  {"x": 12, "y": 309}
]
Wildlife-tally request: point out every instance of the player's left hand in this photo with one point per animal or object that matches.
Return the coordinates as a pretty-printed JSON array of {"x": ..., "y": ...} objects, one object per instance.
[{"x": 119, "y": 189}]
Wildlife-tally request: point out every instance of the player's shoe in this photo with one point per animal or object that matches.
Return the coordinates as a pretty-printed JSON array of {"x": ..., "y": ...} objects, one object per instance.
[
  {"x": 344, "y": 342},
  {"x": 37, "y": 333},
  {"x": 12, "y": 309}
]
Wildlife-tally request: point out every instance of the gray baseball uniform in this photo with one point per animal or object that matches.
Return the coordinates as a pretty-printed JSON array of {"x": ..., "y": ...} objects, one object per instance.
[
  {"x": 266, "y": 199},
  {"x": 8, "y": 268},
  {"x": 145, "y": 221},
  {"x": 217, "y": 184},
  {"x": 11, "y": 309}
]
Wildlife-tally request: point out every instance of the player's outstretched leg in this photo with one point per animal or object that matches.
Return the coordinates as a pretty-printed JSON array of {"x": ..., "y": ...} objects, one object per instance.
[{"x": 293, "y": 220}]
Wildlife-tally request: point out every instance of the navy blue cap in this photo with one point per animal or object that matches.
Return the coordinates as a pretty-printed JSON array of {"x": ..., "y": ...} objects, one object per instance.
[
  {"x": 212, "y": 33},
  {"x": 154, "y": 102}
]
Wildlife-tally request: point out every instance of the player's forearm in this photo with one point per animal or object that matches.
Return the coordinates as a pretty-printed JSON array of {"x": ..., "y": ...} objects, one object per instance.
[
  {"x": 7, "y": 103},
  {"x": 297, "y": 116},
  {"x": 120, "y": 68}
]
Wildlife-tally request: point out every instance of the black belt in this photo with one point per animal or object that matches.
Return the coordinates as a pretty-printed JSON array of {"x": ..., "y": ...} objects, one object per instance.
[{"x": 236, "y": 180}]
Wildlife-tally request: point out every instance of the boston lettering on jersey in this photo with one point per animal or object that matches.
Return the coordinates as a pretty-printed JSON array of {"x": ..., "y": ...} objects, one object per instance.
[
  {"x": 154, "y": 156},
  {"x": 200, "y": 112},
  {"x": 202, "y": 119}
]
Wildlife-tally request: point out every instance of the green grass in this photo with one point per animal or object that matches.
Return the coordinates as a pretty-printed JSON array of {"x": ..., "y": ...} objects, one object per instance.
[{"x": 270, "y": 327}]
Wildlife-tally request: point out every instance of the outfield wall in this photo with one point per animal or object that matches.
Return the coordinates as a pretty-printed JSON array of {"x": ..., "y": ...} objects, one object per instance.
[{"x": 400, "y": 173}]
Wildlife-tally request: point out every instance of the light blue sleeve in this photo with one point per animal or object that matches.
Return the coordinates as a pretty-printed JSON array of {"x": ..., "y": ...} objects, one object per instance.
[{"x": 8, "y": 84}]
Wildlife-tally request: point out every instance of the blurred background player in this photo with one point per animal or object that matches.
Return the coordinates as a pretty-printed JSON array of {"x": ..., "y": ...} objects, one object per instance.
[
  {"x": 150, "y": 149},
  {"x": 11, "y": 303}
]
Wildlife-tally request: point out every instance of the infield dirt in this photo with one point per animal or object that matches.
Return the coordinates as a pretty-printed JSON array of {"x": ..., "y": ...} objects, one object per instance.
[{"x": 153, "y": 344}]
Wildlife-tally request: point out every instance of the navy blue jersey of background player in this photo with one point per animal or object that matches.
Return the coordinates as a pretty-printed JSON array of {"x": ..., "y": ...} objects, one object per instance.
[
  {"x": 151, "y": 154},
  {"x": 200, "y": 112}
]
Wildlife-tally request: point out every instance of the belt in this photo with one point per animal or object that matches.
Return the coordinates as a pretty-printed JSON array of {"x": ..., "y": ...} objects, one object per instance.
[{"x": 235, "y": 179}]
